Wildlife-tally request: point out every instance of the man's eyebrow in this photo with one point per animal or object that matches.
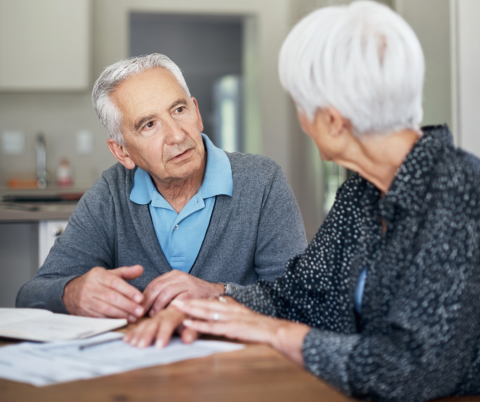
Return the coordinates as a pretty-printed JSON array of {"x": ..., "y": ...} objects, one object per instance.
[
  {"x": 180, "y": 101},
  {"x": 142, "y": 121}
]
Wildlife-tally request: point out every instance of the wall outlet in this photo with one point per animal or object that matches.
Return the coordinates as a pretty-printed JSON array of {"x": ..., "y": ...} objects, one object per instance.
[
  {"x": 13, "y": 142},
  {"x": 84, "y": 142}
]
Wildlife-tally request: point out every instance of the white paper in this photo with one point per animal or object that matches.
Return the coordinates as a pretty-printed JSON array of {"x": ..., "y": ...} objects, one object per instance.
[
  {"x": 12, "y": 315},
  {"x": 44, "y": 326},
  {"x": 51, "y": 363}
]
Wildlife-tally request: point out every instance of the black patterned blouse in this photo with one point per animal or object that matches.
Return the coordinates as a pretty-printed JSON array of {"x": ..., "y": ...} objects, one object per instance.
[{"x": 418, "y": 334}]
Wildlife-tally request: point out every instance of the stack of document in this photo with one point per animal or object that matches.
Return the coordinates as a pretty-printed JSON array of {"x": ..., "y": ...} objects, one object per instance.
[
  {"x": 54, "y": 362},
  {"x": 44, "y": 326}
]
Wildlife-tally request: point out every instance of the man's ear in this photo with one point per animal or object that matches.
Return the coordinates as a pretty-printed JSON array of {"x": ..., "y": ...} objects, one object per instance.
[
  {"x": 119, "y": 152},
  {"x": 199, "y": 116}
]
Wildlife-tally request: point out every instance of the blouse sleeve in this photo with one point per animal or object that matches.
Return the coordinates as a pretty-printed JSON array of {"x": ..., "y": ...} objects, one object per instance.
[{"x": 317, "y": 279}]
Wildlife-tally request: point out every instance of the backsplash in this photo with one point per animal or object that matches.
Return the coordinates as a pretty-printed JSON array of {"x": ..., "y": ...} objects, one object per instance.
[{"x": 59, "y": 116}]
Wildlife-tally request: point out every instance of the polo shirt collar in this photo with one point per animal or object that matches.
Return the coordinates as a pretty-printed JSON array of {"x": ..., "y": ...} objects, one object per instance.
[
  {"x": 217, "y": 180},
  {"x": 218, "y": 173}
]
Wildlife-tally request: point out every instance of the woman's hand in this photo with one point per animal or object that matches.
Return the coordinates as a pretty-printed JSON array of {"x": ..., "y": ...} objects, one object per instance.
[
  {"x": 233, "y": 320},
  {"x": 160, "y": 329}
]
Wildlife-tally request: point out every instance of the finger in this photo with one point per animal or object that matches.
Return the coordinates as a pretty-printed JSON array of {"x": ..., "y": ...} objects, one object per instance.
[
  {"x": 150, "y": 294},
  {"x": 205, "y": 327},
  {"x": 118, "y": 284},
  {"x": 210, "y": 311},
  {"x": 145, "y": 338},
  {"x": 153, "y": 289},
  {"x": 214, "y": 304},
  {"x": 188, "y": 335},
  {"x": 167, "y": 327},
  {"x": 205, "y": 313},
  {"x": 106, "y": 309},
  {"x": 121, "y": 302},
  {"x": 133, "y": 336},
  {"x": 128, "y": 273},
  {"x": 159, "y": 284},
  {"x": 166, "y": 296},
  {"x": 135, "y": 330}
]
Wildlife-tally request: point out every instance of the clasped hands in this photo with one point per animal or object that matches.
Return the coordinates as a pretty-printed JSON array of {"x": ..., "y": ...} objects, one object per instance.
[{"x": 106, "y": 294}]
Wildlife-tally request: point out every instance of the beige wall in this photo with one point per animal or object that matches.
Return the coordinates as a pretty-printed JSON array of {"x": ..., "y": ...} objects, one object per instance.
[{"x": 430, "y": 19}]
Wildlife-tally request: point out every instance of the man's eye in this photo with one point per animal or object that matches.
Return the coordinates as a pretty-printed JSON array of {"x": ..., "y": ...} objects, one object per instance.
[
  {"x": 180, "y": 109},
  {"x": 149, "y": 125}
]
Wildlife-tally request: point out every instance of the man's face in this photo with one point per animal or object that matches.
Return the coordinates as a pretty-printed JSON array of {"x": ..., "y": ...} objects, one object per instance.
[{"x": 161, "y": 125}]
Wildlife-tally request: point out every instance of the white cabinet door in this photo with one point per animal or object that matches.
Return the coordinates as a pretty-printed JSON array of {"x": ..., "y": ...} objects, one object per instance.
[
  {"x": 48, "y": 232},
  {"x": 44, "y": 45}
]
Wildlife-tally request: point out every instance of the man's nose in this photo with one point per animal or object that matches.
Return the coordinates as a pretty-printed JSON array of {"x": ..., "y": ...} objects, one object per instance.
[{"x": 174, "y": 134}]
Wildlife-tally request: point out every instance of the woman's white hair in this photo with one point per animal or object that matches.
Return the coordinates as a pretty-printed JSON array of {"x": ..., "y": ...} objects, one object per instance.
[
  {"x": 363, "y": 60},
  {"x": 109, "y": 115}
]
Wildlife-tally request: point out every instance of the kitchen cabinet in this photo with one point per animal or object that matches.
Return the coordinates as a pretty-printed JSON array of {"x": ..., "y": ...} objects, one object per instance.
[
  {"x": 45, "y": 45},
  {"x": 48, "y": 232},
  {"x": 25, "y": 240},
  {"x": 18, "y": 258}
]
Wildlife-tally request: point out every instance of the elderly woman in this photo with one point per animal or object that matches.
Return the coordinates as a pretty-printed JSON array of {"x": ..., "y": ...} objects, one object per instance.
[{"x": 383, "y": 304}]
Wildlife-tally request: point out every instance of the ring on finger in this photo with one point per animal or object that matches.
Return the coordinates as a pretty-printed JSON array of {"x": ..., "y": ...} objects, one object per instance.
[{"x": 216, "y": 316}]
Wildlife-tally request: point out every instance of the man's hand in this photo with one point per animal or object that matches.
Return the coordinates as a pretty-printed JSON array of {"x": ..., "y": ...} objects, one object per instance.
[
  {"x": 104, "y": 293},
  {"x": 177, "y": 285},
  {"x": 160, "y": 329}
]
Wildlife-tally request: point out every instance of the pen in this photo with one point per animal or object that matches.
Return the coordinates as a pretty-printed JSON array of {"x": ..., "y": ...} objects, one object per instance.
[{"x": 91, "y": 345}]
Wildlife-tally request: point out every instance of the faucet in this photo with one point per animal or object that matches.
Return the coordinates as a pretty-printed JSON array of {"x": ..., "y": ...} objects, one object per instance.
[{"x": 42, "y": 175}]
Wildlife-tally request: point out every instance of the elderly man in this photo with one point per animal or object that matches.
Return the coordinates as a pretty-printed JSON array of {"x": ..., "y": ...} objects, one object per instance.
[{"x": 176, "y": 218}]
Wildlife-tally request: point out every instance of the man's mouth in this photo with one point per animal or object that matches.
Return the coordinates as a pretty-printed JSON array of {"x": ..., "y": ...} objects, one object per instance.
[{"x": 181, "y": 155}]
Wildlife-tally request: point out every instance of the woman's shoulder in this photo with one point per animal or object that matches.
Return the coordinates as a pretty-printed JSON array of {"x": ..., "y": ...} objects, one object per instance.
[
  {"x": 458, "y": 170},
  {"x": 456, "y": 181}
]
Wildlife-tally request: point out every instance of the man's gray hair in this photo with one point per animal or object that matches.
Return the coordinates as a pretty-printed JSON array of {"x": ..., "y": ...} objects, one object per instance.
[
  {"x": 363, "y": 59},
  {"x": 109, "y": 114}
]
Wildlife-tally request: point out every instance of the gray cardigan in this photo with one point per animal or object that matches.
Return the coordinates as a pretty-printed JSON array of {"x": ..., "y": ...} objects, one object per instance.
[{"x": 251, "y": 234}]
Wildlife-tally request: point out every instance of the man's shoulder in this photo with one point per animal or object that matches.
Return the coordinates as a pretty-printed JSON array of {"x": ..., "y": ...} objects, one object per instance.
[
  {"x": 115, "y": 180},
  {"x": 117, "y": 173},
  {"x": 248, "y": 166}
]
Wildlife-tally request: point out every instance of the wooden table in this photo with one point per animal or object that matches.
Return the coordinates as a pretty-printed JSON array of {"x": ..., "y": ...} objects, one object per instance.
[{"x": 254, "y": 374}]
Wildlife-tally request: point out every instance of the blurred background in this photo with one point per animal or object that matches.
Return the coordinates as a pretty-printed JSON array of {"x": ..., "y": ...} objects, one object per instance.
[{"x": 52, "y": 51}]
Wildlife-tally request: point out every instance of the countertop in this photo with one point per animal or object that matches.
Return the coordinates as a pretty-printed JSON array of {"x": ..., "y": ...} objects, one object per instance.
[
  {"x": 45, "y": 212},
  {"x": 19, "y": 212}
]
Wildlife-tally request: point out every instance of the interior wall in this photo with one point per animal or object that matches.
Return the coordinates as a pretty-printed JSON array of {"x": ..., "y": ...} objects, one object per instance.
[
  {"x": 430, "y": 19},
  {"x": 467, "y": 79}
]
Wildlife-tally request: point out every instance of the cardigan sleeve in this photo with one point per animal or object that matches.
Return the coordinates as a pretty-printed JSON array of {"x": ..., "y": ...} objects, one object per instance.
[
  {"x": 431, "y": 332},
  {"x": 280, "y": 233},
  {"x": 87, "y": 242}
]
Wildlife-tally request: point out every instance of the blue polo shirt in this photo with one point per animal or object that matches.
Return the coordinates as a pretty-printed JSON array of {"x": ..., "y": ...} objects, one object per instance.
[{"x": 181, "y": 235}]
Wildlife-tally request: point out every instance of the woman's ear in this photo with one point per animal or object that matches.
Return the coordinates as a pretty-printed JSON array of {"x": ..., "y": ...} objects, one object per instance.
[
  {"x": 119, "y": 152},
  {"x": 335, "y": 121}
]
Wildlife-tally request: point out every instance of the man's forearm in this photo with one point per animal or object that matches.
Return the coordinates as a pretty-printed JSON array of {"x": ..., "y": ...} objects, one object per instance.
[{"x": 44, "y": 293}]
